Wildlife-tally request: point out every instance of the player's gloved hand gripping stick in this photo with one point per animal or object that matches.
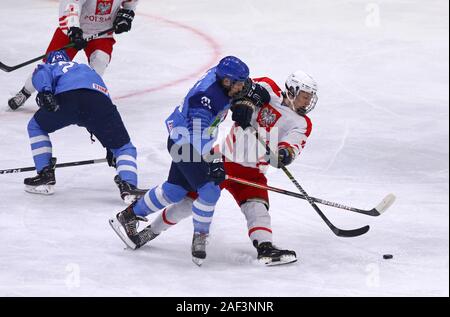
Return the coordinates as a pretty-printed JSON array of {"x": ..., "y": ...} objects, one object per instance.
[{"x": 89, "y": 38}]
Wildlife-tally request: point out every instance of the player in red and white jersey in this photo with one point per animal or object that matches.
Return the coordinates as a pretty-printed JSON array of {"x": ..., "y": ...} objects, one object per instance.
[
  {"x": 283, "y": 124},
  {"x": 79, "y": 19}
]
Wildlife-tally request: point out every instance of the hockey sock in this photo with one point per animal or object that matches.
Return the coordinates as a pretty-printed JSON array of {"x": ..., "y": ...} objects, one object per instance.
[
  {"x": 172, "y": 215},
  {"x": 203, "y": 207},
  {"x": 41, "y": 146},
  {"x": 159, "y": 198},
  {"x": 126, "y": 165}
]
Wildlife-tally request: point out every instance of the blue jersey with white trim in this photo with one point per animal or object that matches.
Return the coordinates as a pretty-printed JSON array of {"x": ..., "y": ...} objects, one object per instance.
[
  {"x": 64, "y": 76},
  {"x": 203, "y": 109}
]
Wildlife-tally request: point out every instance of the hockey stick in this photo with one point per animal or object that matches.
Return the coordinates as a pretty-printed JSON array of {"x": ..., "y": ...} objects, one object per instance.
[
  {"x": 8, "y": 69},
  {"x": 375, "y": 212},
  {"x": 337, "y": 231},
  {"x": 69, "y": 164}
]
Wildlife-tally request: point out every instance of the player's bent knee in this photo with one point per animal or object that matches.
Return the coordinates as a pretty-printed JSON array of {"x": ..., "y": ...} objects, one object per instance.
[
  {"x": 209, "y": 193},
  {"x": 127, "y": 149},
  {"x": 33, "y": 127},
  {"x": 174, "y": 193},
  {"x": 99, "y": 60},
  {"x": 255, "y": 208}
]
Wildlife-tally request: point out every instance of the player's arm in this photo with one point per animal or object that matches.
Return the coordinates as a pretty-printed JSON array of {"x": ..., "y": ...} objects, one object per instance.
[
  {"x": 201, "y": 111},
  {"x": 130, "y": 4},
  {"x": 69, "y": 20},
  {"x": 291, "y": 145},
  {"x": 43, "y": 80}
]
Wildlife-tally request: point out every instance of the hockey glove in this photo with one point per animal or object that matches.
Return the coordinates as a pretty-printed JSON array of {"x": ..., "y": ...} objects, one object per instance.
[
  {"x": 123, "y": 20},
  {"x": 285, "y": 156},
  {"x": 254, "y": 92},
  {"x": 242, "y": 112},
  {"x": 47, "y": 101},
  {"x": 75, "y": 35},
  {"x": 110, "y": 158},
  {"x": 217, "y": 171}
]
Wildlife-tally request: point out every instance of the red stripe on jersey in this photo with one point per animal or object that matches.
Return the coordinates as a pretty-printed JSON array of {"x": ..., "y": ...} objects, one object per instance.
[
  {"x": 165, "y": 218},
  {"x": 62, "y": 18},
  {"x": 258, "y": 228},
  {"x": 308, "y": 125},
  {"x": 284, "y": 144},
  {"x": 271, "y": 83}
]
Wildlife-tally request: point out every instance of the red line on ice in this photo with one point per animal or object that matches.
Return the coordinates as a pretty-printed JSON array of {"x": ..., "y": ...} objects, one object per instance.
[{"x": 216, "y": 52}]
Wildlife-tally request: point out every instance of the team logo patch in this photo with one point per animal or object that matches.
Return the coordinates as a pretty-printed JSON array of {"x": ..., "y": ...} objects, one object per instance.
[
  {"x": 268, "y": 117},
  {"x": 104, "y": 7},
  {"x": 101, "y": 88}
]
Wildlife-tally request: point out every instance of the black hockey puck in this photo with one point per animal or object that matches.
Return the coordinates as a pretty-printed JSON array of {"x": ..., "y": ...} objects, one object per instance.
[{"x": 387, "y": 256}]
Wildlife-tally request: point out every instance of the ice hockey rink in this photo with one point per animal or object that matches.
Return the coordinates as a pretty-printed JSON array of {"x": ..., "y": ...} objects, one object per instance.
[{"x": 380, "y": 126}]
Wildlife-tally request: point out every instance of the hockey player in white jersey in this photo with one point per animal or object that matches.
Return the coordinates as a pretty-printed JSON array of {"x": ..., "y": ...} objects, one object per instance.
[
  {"x": 79, "y": 19},
  {"x": 283, "y": 124}
]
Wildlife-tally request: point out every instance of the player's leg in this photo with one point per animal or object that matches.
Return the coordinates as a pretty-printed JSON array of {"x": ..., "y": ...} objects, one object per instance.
[
  {"x": 59, "y": 40},
  {"x": 203, "y": 207},
  {"x": 168, "y": 218},
  {"x": 41, "y": 148},
  {"x": 156, "y": 199},
  {"x": 99, "y": 52},
  {"x": 40, "y": 126},
  {"x": 254, "y": 205},
  {"x": 101, "y": 117}
]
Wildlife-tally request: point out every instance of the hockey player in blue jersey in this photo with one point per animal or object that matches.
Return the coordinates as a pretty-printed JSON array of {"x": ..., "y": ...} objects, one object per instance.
[
  {"x": 192, "y": 131},
  {"x": 71, "y": 93}
]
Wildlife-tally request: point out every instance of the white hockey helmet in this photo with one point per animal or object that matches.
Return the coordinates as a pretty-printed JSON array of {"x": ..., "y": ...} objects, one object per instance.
[{"x": 297, "y": 82}]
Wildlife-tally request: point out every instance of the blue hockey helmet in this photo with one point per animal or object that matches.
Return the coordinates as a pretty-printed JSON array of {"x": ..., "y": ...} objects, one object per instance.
[
  {"x": 233, "y": 68},
  {"x": 57, "y": 56}
]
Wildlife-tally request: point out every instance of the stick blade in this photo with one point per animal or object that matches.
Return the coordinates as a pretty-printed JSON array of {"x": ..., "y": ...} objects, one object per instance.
[
  {"x": 385, "y": 203},
  {"x": 351, "y": 233},
  {"x": 6, "y": 68}
]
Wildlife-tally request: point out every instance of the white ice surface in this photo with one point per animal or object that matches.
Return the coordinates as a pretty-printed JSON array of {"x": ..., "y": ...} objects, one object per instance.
[{"x": 381, "y": 126}]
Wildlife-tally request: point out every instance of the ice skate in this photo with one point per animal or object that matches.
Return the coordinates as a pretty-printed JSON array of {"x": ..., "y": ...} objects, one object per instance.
[
  {"x": 269, "y": 255},
  {"x": 199, "y": 242},
  {"x": 127, "y": 221},
  {"x": 144, "y": 236},
  {"x": 19, "y": 99},
  {"x": 44, "y": 182},
  {"x": 128, "y": 192}
]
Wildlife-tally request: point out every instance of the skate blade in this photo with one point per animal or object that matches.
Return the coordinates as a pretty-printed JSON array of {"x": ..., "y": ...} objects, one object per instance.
[
  {"x": 41, "y": 189},
  {"x": 281, "y": 261},
  {"x": 115, "y": 225},
  {"x": 198, "y": 261}
]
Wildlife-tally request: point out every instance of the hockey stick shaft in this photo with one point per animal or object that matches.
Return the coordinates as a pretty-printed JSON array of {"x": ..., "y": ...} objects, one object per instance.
[
  {"x": 336, "y": 231},
  {"x": 371, "y": 212},
  {"x": 68, "y": 164},
  {"x": 8, "y": 69}
]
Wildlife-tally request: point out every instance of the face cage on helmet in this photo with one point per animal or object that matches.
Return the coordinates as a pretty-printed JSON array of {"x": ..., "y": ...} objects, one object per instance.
[
  {"x": 311, "y": 105},
  {"x": 292, "y": 93}
]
